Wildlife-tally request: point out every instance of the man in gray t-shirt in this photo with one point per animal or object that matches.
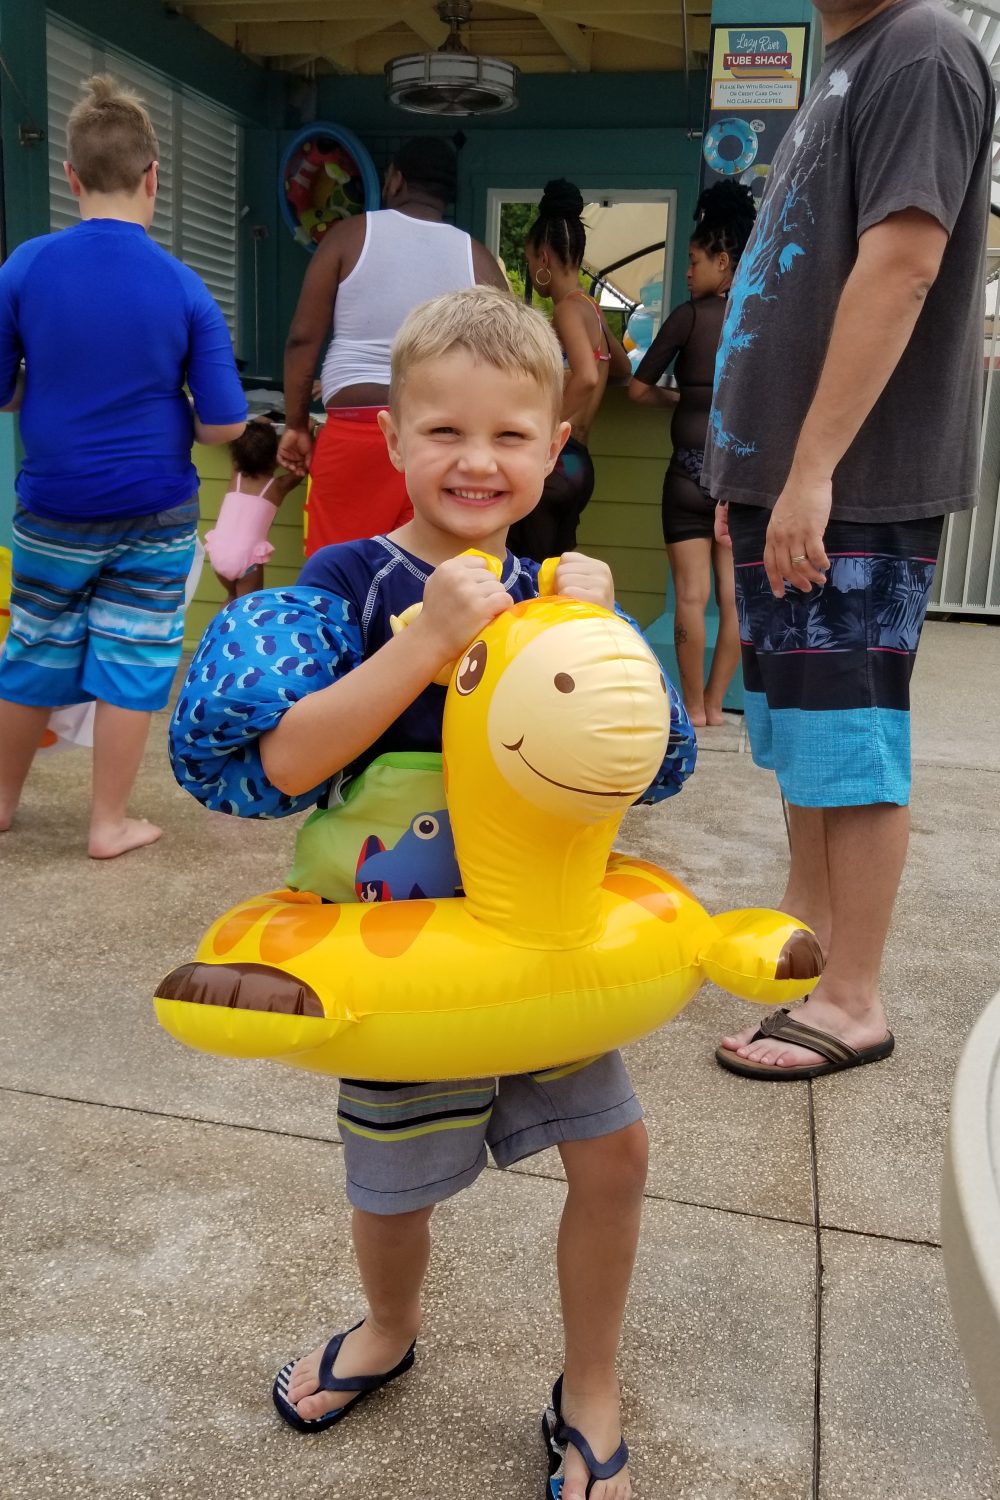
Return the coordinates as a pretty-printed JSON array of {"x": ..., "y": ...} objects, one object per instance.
[{"x": 844, "y": 427}]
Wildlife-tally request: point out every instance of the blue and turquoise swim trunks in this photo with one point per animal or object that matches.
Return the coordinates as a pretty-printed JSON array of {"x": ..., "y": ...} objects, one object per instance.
[
  {"x": 97, "y": 608},
  {"x": 827, "y": 673}
]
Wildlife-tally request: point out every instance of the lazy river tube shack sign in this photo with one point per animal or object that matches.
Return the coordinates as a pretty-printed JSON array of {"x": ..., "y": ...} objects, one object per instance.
[{"x": 755, "y": 88}]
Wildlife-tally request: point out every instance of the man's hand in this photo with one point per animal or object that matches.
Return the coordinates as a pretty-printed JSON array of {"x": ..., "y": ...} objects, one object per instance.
[
  {"x": 794, "y": 551},
  {"x": 722, "y": 525},
  {"x": 295, "y": 450},
  {"x": 586, "y": 578},
  {"x": 461, "y": 596}
]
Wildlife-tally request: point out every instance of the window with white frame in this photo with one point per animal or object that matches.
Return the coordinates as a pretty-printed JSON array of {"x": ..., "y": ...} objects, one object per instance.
[{"x": 197, "y": 205}]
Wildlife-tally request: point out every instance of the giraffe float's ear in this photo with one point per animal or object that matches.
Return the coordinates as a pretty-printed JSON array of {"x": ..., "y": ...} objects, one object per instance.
[
  {"x": 493, "y": 563},
  {"x": 399, "y": 622},
  {"x": 547, "y": 577}
]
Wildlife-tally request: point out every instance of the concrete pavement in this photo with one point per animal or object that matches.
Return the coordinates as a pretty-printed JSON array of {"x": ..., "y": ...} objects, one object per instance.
[{"x": 174, "y": 1225}]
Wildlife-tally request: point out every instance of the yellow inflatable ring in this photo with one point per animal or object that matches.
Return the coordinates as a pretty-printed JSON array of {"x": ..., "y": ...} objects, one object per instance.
[{"x": 556, "y": 720}]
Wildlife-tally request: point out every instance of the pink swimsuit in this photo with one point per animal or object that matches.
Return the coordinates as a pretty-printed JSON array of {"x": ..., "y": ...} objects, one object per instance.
[{"x": 238, "y": 540}]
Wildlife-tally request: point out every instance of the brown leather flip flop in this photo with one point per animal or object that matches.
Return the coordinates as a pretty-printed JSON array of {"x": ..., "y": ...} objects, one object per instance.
[{"x": 781, "y": 1027}]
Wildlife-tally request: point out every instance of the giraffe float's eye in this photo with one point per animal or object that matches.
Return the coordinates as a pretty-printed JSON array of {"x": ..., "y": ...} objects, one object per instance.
[
  {"x": 426, "y": 826},
  {"x": 471, "y": 669},
  {"x": 564, "y": 682}
]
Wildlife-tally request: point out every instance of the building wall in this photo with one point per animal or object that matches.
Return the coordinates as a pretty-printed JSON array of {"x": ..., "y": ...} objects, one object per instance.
[
  {"x": 173, "y": 45},
  {"x": 635, "y": 136}
]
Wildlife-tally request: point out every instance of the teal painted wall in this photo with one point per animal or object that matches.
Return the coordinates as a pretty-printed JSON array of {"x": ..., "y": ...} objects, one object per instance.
[
  {"x": 760, "y": 12},
  {"x": 25, "y": 208},
  {"x": 629, "y": 130},
  {"x": 258, "y": 96},
  {"x": 179, "y": 48},
  {"x": 174, "y": 46},
  {"x": 634, "y": 136}
]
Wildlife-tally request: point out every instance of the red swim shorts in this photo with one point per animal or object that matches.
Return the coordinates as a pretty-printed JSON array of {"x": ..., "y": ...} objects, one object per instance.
[{"x": 354, "y": 491}]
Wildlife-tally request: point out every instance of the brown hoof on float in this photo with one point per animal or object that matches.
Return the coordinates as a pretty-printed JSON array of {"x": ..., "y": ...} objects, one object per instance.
[
  {"x": 241, "y": 987},
  {"x": 801, "y": 957}
]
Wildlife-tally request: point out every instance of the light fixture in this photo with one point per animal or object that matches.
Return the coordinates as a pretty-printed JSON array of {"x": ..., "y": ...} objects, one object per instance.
[{"x": 453, "y": 80}]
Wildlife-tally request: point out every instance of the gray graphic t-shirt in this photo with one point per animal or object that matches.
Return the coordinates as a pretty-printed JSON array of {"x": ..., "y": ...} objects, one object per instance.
[{"x": 900, "y": 117}]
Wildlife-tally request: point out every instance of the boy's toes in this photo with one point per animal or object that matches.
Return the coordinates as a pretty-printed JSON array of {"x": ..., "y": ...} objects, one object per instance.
[
  {"x": 310, "y": 1408},
  {"x": 304, "y": 1379},
  {"x": 619, "y": 1487}
]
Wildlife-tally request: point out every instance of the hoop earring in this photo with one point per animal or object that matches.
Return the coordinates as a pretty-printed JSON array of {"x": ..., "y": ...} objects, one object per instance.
[{"x": 537, "y": 278}]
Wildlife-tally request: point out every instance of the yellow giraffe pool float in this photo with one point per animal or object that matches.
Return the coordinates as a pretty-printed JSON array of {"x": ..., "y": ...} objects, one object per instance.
[{"x": 556, "y": 720}]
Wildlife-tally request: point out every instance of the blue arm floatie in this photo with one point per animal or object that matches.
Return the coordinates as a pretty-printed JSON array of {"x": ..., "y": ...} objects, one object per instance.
[
  {"x": 682, "y": 746},
  {"x": 260, "y": 655}
]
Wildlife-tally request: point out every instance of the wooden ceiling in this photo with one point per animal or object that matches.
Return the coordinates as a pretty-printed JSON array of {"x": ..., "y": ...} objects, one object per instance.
[{"x": 543, "y": 36}]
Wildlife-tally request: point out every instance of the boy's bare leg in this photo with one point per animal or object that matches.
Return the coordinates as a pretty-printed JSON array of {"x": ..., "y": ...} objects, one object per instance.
[
  {"x": 866, "y": 851},
  {"x": 21, "y": 728},
  {"x": 393, "y": 1251},
  {"x": 598, "y": 1237},
  {"x": 119, "y": 739}
]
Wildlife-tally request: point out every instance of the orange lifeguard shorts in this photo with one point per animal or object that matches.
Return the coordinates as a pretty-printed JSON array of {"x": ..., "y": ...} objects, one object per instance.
[{"x": 354, "y": 491}]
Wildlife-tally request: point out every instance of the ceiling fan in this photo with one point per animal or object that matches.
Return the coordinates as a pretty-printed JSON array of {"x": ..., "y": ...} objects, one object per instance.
[{"x": 452, "y": 80}]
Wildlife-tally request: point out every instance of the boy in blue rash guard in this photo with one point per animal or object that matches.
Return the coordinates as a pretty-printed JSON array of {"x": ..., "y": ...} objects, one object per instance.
[
  {"x": 301, "y": 695},
  {"x": 110, "y": 328}
]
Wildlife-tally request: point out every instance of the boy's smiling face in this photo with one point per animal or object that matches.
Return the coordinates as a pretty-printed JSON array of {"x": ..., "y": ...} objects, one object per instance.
[{"x": 475, "y": 444}]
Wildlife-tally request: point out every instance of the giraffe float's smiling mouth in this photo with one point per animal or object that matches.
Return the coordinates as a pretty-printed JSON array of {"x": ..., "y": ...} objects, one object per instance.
[{"x": 563, "y": 785}]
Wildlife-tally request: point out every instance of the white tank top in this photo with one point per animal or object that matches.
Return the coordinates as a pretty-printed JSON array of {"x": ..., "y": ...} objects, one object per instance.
[{"x": 403, "y": 262}]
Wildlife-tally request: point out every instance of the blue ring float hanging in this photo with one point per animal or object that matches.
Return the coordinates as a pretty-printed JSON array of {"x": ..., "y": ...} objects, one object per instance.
[
  {"x": 730, "y": 146},
  {"x": 326, "y": 174}
]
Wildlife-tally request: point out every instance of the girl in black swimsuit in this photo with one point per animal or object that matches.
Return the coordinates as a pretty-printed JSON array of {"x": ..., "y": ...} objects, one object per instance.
[
  {"x": 690, "y": 335},
  {"x": 554, "y": 253}
]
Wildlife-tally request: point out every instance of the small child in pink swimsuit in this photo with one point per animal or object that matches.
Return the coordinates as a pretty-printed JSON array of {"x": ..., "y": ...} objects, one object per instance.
[{"x": 237, "y": 545}]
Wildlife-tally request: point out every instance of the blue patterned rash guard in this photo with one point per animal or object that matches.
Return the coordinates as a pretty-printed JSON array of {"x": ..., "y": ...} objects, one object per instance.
[{"x": 264, "y": 652}]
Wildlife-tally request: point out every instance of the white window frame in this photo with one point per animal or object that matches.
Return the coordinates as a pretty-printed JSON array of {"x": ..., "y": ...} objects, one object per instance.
[{"x": 497, "y": 197}]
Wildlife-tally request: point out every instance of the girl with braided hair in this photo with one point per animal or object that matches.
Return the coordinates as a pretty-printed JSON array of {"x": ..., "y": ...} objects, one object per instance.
[
  {"x": 554, "y": 253},
  {"x": 690, "y": 336}
]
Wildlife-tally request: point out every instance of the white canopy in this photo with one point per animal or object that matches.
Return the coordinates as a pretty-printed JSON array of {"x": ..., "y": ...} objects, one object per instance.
[{"x": 619, "y": 230}]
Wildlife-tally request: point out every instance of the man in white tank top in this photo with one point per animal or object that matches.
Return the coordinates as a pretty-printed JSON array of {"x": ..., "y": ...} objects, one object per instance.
[{"x": 367, "y": 274}]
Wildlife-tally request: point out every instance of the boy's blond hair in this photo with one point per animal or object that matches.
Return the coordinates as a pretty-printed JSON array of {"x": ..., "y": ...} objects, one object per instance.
[
  {"x": 110, "y": 138},
  {"x": 493, "y": 327}
]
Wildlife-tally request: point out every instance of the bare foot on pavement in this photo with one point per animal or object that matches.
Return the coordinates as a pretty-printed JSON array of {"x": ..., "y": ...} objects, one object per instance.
[{"x": 110, "y": 840}]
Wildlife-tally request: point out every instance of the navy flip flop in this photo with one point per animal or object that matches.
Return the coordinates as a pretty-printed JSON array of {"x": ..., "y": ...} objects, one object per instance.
[
  {"x": 558, "y": 1437},
  {"x": 362, "y": 1385},
  {"x": 551, "y": 1422}
]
